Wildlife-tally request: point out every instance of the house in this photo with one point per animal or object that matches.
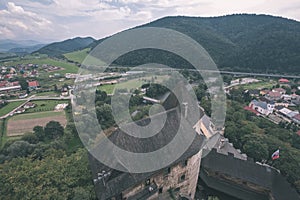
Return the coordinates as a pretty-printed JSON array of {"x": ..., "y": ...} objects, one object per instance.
[
  {"x": 24, "y": 95},
  {"x": 273, "y": 96},
  {"x": 296, "y": 118},
  {"x": 288, "y": 113},
  {"x": 33, "y": 85},
  {"x": 10, "y": 89},
  {"x": 264, "y": 92},
  {"x": 280, "y": 90},
  {"x": 263, "y": 108},
  {"x": 20, "y": 110},
  {"x": 29, "y": 105},
  {"x": 283, "y": 81},
  {"x": 286, "y": 97},
  {"x": 253, "y": 92},
  {"x": 251, "y": 110},
  {"x": 177, "y": 179}
]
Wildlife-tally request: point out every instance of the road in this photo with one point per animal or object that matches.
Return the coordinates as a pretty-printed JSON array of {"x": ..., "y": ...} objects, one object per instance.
[
  {"x": 225, "y": 72},
  {"x": 32, "y": 98}
]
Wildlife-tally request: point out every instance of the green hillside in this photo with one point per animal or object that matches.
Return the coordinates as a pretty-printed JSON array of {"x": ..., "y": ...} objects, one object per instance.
[
  {"x": 58, "y": 48},
  {"x": 245, "y": 42}
]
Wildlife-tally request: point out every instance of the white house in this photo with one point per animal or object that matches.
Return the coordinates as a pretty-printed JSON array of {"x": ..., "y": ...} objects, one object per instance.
[{"x": 262, "y": 107}]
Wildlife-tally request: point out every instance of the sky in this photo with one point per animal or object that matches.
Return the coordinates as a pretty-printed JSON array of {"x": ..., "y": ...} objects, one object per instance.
[{"x": 56, "y": 20}]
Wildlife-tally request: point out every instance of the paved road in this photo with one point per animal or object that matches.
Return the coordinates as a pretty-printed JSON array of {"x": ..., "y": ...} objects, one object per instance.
[
  {"x": 226, "y": 72},
  {"x": 32, "y": 98}
]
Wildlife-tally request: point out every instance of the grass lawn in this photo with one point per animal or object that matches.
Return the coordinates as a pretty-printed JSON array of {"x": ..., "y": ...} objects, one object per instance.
[
  {"x": 131, "y": 84},
  {"x": 260, "y": 85},
  {"x": 51, "y": 93},
  {"x": 45, "y": 105},
  {"x": 109, "y": 89},
  {"x": 9, "y": 107},
  {"x": 36, "y": 115},
  {"x": 77, "y": 56},
  {"x": 80, "y": 56}
]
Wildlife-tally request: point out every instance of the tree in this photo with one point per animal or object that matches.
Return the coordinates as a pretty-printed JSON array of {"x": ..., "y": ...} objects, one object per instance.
[
  {"x": 104, "y": 115},
  {"x": 39, "y": 132},
  {"x": 256, "y": 149},
  {"x": 23, "y": 83},
  {"x": 53, "y": 130},
  {"x": 20, "y": 149},
  {"x": 31, "y": 138}
]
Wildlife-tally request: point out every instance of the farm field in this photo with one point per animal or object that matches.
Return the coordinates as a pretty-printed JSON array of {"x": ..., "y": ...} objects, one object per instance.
[
  {"x": 20, "y": 124},
  {"x": 9, "y": 107}
]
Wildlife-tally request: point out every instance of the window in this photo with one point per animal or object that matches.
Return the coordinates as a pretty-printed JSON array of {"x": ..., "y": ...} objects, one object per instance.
[
  {"x": 169, "y": 170},
  {"x": 182, "y": 178},
  {"x": 148, "y": 182},
  {"x": 185, "y": 162},
  {"x": 160, "y": 190}
]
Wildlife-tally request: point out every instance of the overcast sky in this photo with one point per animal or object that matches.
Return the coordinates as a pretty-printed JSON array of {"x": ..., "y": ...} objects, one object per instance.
[{"x": 49, "y": 20}]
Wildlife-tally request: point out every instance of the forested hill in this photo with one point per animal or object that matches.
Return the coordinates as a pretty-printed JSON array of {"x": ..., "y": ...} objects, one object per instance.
[
  {"x": 244, "y": 42},
  {"x": 66, "y": 46}
]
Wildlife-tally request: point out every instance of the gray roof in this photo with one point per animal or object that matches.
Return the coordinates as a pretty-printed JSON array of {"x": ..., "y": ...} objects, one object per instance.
[
  {"x": 261, "y": 104},
  {"x": 118, "y": 181},
  {"x": 247, "y": 170}
]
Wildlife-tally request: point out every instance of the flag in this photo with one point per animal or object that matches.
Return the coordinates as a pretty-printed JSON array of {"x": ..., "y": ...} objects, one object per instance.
[{"x": 275, "y": 155}]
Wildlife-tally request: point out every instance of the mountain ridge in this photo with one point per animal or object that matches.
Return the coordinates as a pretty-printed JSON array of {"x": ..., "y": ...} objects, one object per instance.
[{"x": 241, "y": 42}]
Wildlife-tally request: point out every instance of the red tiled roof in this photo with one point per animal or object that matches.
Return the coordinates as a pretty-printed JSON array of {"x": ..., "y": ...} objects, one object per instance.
[
  {"x": 297, "y": 117},
  {"x": 274, "y": 94},
  {"x": 33, "y": 84},
  {"x": 279, "y": 90},
  {"x": 283, "y": 80},
  {"x": 251, "y": 110}
]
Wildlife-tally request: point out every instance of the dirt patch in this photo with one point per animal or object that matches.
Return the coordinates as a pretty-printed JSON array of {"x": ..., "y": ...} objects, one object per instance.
[{"x": 19, "y": 127}]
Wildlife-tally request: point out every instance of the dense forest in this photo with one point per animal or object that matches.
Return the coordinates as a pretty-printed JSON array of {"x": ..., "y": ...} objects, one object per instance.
[{"x": 252, "y": 43}]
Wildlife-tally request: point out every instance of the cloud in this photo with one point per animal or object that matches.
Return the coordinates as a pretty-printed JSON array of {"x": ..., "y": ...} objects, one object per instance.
[
  {"x": 61, "y": 19},
  {"x": 15, "y": 21}
]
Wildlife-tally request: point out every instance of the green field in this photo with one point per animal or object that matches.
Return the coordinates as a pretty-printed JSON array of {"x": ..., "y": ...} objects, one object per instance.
[
  {"x": 130, "y": 84},
  {"x": 77, "y": 56},
  {"x": 9, "y": 107},
  {"x": 80, "y": 56},
  {"x": 68, "y": 67},
  {"x": 45, "y": 105},
  {"x": 50, "y": 93},
  {"x": 36, "y": 115},
  {"x": 259, "y": 85}
]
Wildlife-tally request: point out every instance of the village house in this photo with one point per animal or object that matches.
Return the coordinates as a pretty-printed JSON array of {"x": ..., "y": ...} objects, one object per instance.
[
  {"x": 283, "y": 81},
  {"x": 29, "y": 105},
  {"x": 33, "y": 85},
  {"x": 263, "y": 108},
  {"x": 280, "y": 90},
  {"x": 273, "y": 96},
  {"x": 7, "y": 87},
  {"x": 288, "y": 113},
  {"x": 264, "y": 92},
  {"x": 20, "y": 110},
  {"x": 296, "y": 118}
]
